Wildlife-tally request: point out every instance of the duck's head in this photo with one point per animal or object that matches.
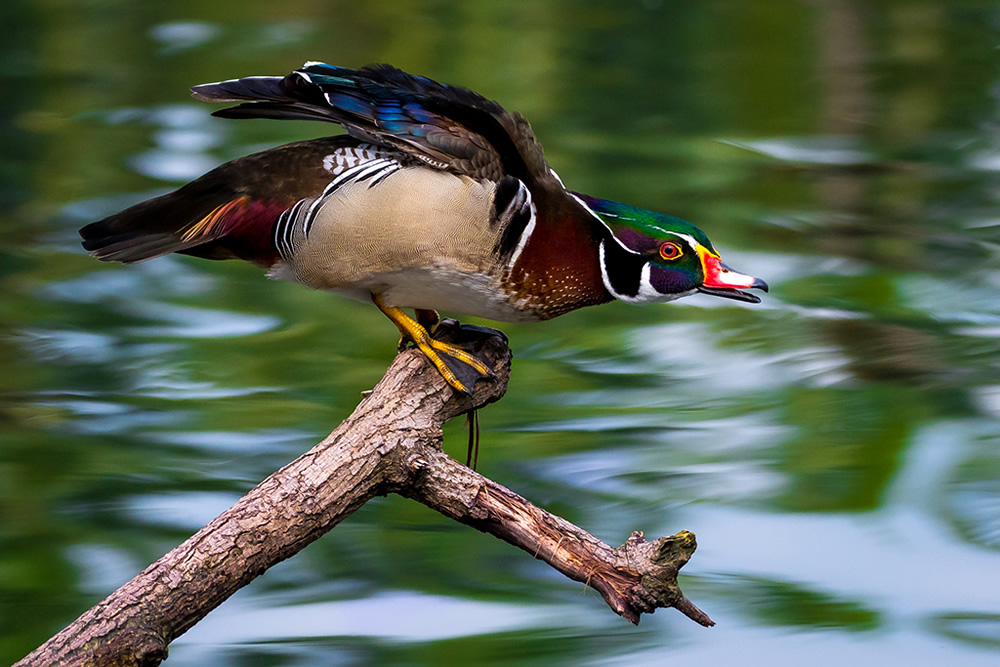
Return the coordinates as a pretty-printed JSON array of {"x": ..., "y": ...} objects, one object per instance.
[{"x": 648, "y": 257}]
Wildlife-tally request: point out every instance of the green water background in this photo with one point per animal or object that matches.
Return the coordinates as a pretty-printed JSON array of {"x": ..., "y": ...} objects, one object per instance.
[{"x": 835, "y": 449}]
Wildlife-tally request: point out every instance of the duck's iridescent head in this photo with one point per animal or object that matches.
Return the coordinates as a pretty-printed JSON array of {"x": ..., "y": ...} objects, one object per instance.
[{"x": 650, "y": 257}]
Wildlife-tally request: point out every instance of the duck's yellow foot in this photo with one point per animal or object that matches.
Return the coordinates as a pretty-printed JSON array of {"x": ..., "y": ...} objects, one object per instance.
[
  {"x": 428, "y": 319},
  {"x": 453, "y": 362}
]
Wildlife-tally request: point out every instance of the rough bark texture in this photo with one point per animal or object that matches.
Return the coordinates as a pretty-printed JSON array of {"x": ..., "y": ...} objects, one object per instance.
[
  {"x": 391, "y": 443},
  {"x": 634, "y": 578}
]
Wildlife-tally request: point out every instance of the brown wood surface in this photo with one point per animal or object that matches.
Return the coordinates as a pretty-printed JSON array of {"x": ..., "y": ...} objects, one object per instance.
[{"x": 391, "y": 443}]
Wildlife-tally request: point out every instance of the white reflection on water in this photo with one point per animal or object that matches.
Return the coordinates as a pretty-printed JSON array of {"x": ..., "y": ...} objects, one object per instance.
[
  {"x": 679, "y": 350},
  {"x": 240, "y": 442},
  {"x": 897, "y": 560},
  {"x": 102, "y": 567},
  {"x": 97, "y": 417},
  {"x": 171, "y": 165},
  {"x": 67, "y": 345},
  {"x": 979, "y": 331},
  {"x": 190, "y": 322},
  {"x": 985, "y": 161},
  {"x": 181, "y": 35},
  {"x": 966, "y": 299},
  {"x": 183, "y": 143},
  {"x": 167, "y": 276},
  {"x": 902, "y": 559},
  {"x": 977, "y": 504},
  {"x": 988, "y": 399},
  {"x": 746, "y": 644},
  {"x": 838, "y": 150},
  {"x": 154, "y": 380},
  {"x": 184, "y": 510},
  {"x": 415, "y": 617},
  {"x": 639, "y": 473},
  {"x": 87, "y": 347}
]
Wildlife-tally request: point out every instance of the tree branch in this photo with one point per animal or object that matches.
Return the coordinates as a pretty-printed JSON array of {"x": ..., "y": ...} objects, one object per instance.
[{"x": 390, "y": 443}]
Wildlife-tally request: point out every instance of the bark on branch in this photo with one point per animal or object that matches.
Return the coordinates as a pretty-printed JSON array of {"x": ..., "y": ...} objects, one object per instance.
[{"x": 391, "y": 443}]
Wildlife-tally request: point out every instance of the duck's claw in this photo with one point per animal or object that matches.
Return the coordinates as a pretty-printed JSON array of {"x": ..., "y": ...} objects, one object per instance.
[{"x": 458, "y": 366}]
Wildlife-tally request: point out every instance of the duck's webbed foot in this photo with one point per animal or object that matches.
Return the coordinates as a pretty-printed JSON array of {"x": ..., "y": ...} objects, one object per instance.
[{"x": 456, "y": 359}]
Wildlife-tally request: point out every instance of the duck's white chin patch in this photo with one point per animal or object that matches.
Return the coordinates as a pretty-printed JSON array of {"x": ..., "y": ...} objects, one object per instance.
[{"x": 646, "y": 293}]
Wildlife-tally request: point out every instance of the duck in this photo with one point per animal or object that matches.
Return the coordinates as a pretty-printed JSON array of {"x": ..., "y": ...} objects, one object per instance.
[{"x": 436, "y": 199}]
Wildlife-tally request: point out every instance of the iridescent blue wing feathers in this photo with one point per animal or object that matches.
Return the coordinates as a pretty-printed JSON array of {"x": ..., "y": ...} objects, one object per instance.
[{"x": 447, "y": 127}]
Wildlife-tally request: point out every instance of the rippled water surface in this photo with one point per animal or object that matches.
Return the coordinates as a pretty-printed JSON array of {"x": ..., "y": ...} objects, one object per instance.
[{"x": 835, "y": 449}]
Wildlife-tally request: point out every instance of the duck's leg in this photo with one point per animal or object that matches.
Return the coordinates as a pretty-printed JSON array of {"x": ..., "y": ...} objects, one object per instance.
[
  {"x": 443, "y": 355},
  {"x": 428, "y": 319},
  {"x": 472, "y": 455}
]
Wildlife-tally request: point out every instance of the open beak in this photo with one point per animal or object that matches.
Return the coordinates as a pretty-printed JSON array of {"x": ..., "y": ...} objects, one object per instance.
[{"x": 720, "y": 280}]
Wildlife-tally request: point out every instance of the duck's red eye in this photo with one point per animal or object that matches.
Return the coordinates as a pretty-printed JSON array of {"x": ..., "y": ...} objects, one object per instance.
[{"x": 670, "y": 250}]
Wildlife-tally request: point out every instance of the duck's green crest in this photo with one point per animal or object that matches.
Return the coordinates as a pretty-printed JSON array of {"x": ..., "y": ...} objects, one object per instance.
[{"x": 649, "y": 223}]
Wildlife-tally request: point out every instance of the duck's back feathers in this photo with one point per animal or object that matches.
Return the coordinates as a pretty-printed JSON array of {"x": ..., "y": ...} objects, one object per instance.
[{"x": 229, "y": 213}]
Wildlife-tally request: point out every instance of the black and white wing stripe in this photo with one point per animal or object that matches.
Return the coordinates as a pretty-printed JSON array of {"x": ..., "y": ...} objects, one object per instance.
[
  {"x": 284, "y": 228},
  {"x": 513, "y": 209},
  {"x": 361, "y": 164},
  {"x": 374, "y": 172}
]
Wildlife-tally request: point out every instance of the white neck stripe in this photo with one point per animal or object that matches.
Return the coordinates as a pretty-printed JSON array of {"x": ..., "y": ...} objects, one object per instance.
[
  {"x": 604, "y": 224},
  {"x": 525, "y": 236}
]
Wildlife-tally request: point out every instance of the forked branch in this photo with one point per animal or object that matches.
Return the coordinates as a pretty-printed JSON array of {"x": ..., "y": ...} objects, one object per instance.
[{"x": 391, "y": 443}]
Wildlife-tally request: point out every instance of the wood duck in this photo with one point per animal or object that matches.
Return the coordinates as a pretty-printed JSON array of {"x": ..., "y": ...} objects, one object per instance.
[{"x": 436, "y": 199}]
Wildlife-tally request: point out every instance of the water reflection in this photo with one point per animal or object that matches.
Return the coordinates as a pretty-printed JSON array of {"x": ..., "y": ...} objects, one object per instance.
[
  {"x": 182, "y": 35},
  {"x": 185, "y": 322},
  {"x": 423, "y": 618},
  {"x": 843, "y": 150},
  {"x": 835, "y": 448}
]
